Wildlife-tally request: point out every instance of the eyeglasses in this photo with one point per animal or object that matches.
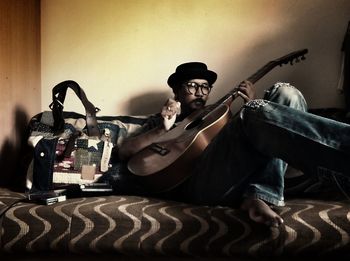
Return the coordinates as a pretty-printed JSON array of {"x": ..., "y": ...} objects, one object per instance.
[{"x": 192, "y": 87}]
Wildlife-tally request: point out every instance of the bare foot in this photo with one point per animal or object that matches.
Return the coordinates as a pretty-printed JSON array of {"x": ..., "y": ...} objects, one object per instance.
[{"x": 260, "y": 212}]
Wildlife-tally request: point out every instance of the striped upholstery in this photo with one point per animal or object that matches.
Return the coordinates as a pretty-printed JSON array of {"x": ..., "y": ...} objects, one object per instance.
[{"x": 148, "y": 226}]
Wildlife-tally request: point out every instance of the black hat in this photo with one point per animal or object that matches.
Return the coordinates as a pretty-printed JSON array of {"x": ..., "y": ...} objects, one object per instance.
[{"x": 191, "y": 70}]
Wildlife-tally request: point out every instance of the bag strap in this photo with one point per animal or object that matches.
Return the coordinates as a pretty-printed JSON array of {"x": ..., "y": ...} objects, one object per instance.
[{"x": 58, "y": 96}]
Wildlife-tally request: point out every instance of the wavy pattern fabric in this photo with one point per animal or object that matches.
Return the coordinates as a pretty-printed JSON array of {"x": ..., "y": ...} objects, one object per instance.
[{"x": 148, "y": 226}]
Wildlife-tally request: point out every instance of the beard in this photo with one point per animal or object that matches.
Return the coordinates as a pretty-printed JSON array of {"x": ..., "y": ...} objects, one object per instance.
[
  {"x": 194, "y": 105},
  {"x": 197, "y": 104}
]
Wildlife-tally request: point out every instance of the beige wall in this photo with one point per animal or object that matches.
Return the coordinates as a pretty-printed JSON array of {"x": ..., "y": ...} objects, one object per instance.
[
  {"x": 19, "y": 63},
  {"x": 19, "y": 80},
  {"x": 120, "y": 51}
]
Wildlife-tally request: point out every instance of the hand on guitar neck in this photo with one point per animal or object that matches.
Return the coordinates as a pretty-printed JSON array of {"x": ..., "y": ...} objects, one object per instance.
[{"x": 246, "y": 91}]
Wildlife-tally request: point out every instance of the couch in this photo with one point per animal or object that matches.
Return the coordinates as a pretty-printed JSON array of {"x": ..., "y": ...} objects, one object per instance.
[
  {"x": 316, "y": 225},
  {"x": 140, "y": 226}
]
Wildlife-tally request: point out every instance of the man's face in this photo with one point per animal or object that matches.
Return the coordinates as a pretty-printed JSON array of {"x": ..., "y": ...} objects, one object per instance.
[{"x": 193, "y": 94}]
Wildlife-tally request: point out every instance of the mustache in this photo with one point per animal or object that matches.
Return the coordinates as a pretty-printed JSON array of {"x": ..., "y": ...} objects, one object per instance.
[{"x": 198, "y": 100}]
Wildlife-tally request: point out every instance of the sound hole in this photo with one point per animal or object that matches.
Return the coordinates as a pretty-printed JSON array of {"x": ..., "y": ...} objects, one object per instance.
[{"x": 194, "y": 124}]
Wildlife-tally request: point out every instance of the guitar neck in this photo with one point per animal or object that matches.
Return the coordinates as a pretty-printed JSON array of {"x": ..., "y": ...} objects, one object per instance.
[
  {"x": 261, "y": 72},
  {"x": 230, "y": 96}
]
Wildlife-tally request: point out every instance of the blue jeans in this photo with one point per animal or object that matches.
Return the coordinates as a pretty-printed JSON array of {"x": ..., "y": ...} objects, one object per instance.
[{"x": 247, "y": 158}]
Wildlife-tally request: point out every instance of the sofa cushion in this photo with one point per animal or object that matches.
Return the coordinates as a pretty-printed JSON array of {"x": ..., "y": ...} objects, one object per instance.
[{"x": 148, "y": 226}]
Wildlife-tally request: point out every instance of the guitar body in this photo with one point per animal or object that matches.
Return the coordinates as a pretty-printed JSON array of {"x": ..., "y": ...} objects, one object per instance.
[{"x": 169, "y": 160}]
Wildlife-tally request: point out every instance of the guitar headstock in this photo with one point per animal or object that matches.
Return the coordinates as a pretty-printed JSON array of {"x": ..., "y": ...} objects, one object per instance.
[{"x": 290, "y": 58}]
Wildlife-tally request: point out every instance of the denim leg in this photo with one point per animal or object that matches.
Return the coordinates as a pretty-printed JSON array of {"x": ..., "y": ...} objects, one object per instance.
[
  {"x": 286, "y": 94},
  {"x": 309, "y": 142},
  {"x": 268, "y": 184}
]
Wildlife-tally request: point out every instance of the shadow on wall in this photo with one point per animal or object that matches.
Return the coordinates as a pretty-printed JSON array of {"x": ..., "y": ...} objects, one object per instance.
[
  {"x": 257, "y": 57},
  {"x": 148, "y": 103},
  {"x": 14, "y": 154}
]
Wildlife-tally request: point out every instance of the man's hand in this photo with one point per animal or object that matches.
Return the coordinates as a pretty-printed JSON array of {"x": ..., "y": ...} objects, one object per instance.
[
  {"x": 246, "y": 90},
  {"x": 169, "y": 111}
]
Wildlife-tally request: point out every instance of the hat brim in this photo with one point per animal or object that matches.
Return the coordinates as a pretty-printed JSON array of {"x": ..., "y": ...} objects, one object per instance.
[{"x": 176, "y": 79}]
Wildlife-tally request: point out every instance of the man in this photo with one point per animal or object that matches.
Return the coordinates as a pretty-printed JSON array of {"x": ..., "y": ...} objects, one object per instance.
[{"x": 242, "y": 165}]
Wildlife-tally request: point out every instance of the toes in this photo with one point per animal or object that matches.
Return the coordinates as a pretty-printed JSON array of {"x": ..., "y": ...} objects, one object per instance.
[
  {"x": 275, "y": 222},
  {"x": 280, "y": 220}
]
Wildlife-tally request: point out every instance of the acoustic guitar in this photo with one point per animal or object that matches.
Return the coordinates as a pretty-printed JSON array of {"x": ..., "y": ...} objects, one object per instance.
[{"x": 169, "y": 161}]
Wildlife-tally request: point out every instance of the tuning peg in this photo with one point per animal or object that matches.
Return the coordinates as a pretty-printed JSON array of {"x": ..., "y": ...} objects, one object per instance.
[
  {"x": 297, "y": 60},
  {"x": 291, "y": 62},
  {"x": 303, "y": 57}
]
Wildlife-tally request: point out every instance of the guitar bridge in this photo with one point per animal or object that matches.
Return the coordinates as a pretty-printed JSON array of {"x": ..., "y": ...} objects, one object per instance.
[{"x": 159, "y": 149}]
